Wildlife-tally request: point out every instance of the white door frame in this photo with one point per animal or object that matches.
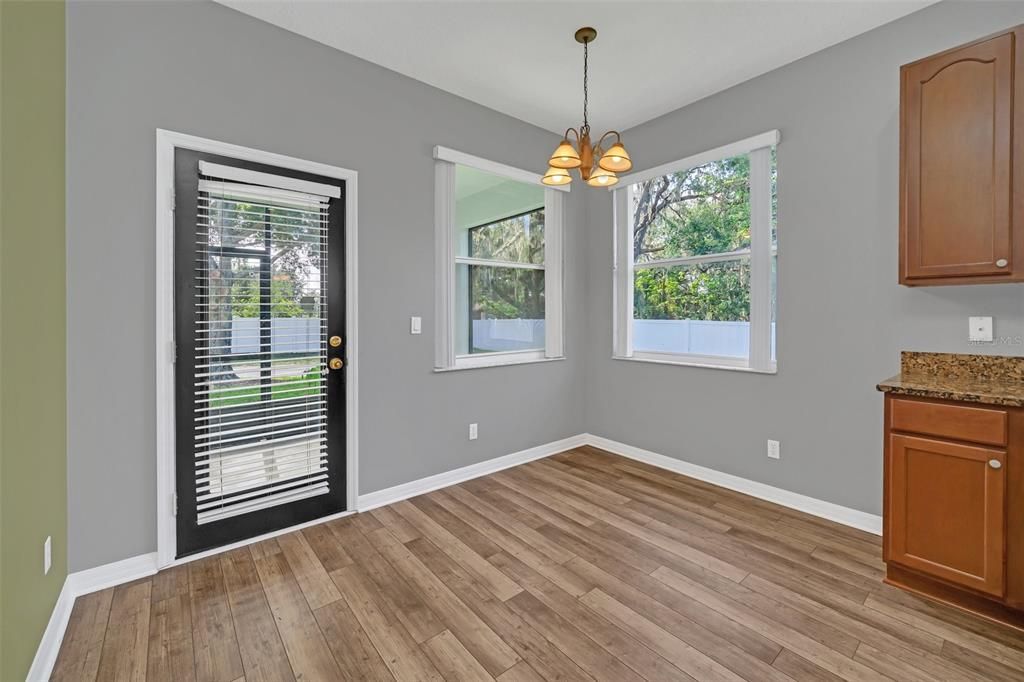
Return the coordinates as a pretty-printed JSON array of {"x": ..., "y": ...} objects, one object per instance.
[{"x": 166, "y": 142}]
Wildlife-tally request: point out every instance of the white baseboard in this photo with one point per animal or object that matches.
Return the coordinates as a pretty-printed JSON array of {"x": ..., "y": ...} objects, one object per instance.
[
  {"x": 447, "y": 478},
  {"x": 109, "y": 575},
  {"x": 854, "y": 518},
  {"x": 76, "y": 585},
  {"x": 119, "y": 572},
  {"x": 49, "y": 645}
]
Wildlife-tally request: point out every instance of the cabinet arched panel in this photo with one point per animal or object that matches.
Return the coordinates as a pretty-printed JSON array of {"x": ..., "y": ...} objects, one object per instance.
[{"x": 957, "y": 121}]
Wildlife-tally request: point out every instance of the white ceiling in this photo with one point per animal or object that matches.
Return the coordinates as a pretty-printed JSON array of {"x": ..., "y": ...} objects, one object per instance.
[{"x": 520, "y": 57}]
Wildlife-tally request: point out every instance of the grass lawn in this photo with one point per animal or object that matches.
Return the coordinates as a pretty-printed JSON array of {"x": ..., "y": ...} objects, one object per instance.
[{"x": 281, "y": 388}]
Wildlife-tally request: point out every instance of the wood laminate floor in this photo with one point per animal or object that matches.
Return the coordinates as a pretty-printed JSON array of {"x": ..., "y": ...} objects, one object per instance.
[{"x": 583, "y": 565}]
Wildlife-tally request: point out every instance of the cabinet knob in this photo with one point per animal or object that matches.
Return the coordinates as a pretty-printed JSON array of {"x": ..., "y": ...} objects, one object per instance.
[
  {"x": 995, "y": 464},
  {"x": 1001, "y": 263}
]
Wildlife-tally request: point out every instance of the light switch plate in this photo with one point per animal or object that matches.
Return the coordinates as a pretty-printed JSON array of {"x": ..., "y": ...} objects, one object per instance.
[
  {"x": 980, "y": 329},
  {"x": 415, "y": 325}
]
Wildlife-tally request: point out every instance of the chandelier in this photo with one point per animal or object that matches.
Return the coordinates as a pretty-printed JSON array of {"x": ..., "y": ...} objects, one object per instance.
[{"x": 603, "y": 171}]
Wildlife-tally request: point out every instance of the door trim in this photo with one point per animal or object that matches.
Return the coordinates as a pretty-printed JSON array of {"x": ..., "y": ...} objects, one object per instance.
[{"x": 166, "y": 142}]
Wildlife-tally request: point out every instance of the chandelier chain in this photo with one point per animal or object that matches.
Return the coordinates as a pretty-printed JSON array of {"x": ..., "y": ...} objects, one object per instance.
[{"x": 585, "y": 97}]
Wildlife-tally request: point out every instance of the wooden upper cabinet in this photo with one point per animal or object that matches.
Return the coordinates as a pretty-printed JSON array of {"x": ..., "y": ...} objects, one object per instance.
[
  {"x": 946, "y": 515},
  {"x": 958, "y": 120}
]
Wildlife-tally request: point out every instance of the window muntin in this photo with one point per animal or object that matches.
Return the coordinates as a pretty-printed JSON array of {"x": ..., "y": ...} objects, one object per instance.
[
  {"x": 696, "y": 267},
  {"x": 499, "y": 260}
]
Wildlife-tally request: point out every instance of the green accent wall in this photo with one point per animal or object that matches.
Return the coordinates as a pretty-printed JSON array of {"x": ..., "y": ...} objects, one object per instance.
[{"x": 33, "y": 453}]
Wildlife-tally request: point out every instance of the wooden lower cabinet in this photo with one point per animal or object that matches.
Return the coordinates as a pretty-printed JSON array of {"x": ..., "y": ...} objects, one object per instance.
[
  {"x": 947, "y": 513},
  {"x": 954, "y": 513}
]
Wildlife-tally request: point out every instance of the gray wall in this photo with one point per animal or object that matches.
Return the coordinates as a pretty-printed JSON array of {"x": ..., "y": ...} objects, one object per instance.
[
  {"x": 842, "y": 317},
  {"x": 202, "y": 69}
]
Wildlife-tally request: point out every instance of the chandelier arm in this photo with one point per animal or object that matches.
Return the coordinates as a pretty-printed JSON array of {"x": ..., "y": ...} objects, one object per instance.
[
  {"x": 618, "y": 137},
  {"x": 574, "y": 132}
]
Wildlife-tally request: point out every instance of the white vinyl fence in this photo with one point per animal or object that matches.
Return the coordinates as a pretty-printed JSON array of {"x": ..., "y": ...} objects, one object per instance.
[
  {"x": 506, "y": 335},
  {"x": 303, "y": 334},
  {"x": 701, "y": 337},
  {"x": 287, "y": 335}
]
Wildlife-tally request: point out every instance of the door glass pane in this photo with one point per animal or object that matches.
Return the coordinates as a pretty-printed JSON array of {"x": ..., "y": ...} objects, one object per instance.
[{"x": 261, "y": 355}]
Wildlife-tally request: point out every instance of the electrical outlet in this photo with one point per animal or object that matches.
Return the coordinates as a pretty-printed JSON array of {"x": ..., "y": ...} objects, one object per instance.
[
  {"x": 47, "y": 555},
  {"x": 415, "y": 325},
  {"x": 472, "y": 432},
  {"x": 773, "y": 449}
]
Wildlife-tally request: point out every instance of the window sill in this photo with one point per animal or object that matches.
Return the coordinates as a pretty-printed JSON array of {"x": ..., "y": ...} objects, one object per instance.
[
  {"x": 682, "y": 361},
  {"x": 504, "y": 361}
]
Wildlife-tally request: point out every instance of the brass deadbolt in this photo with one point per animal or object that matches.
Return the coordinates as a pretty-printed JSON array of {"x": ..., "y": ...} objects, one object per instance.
[
  {"x": 335, "y": 341},
  {"x": 335, "y": 363}
]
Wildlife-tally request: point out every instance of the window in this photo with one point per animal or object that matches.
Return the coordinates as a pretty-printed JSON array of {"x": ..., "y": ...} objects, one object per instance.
[
  {"x": 695, "y": 259},
  {"x": 499, "y": 266}
]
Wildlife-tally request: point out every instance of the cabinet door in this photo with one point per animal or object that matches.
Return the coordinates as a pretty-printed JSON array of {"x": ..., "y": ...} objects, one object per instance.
[
  {"x": 946, "y": 511},
  {"x": 956, "y": 150}
]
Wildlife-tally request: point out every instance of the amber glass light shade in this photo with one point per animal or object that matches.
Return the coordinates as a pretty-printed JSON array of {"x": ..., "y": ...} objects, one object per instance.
[
  {"x": 616, "y": 159},
  {"x": 602, "y": 178},
  {"x": 556, "y": 176},
  {"x": 565, "y": 156}
]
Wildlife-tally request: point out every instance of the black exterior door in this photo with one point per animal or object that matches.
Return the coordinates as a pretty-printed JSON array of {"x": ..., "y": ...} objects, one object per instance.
[{"x": 260, "y": 349}]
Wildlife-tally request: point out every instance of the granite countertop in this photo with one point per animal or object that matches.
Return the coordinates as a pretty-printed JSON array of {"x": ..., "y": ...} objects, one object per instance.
[{"x": 989, "y": 379}]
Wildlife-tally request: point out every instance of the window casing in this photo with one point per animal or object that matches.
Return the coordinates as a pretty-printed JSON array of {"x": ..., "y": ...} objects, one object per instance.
[
  {"x": 695, "y": 260},
  {"x": 498, "y": 257}
]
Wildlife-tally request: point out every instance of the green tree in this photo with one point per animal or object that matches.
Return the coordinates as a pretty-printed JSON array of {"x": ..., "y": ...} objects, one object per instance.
[
  {"x": 700, "y": 211},
  {"x": 508, "y": 293},
  {"x": 245, "y": 298}
]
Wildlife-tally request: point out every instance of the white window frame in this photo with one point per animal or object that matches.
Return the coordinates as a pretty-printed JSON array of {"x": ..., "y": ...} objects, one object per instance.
[
  {"x": 446, "y": 259},
  {"x": 758, "y": 148}
]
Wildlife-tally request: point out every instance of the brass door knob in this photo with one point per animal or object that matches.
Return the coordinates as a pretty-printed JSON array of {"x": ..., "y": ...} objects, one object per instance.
[
  {"x": 335, "y": 363},
  {"x": 335, "y": 341}
]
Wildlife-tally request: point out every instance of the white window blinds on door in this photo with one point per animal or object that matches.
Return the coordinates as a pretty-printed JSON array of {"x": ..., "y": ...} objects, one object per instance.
[{"x": 260, "y": 398}]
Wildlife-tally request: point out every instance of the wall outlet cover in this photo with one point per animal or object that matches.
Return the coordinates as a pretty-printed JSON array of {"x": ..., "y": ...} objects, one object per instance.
[
  {"x": 47, "y": 555},
  {"x": 473, "y": 432},
  {"x": 980, "y": 329},
  {"x": 773, "y": 449},
  {"x": 415, "y": 325}
]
